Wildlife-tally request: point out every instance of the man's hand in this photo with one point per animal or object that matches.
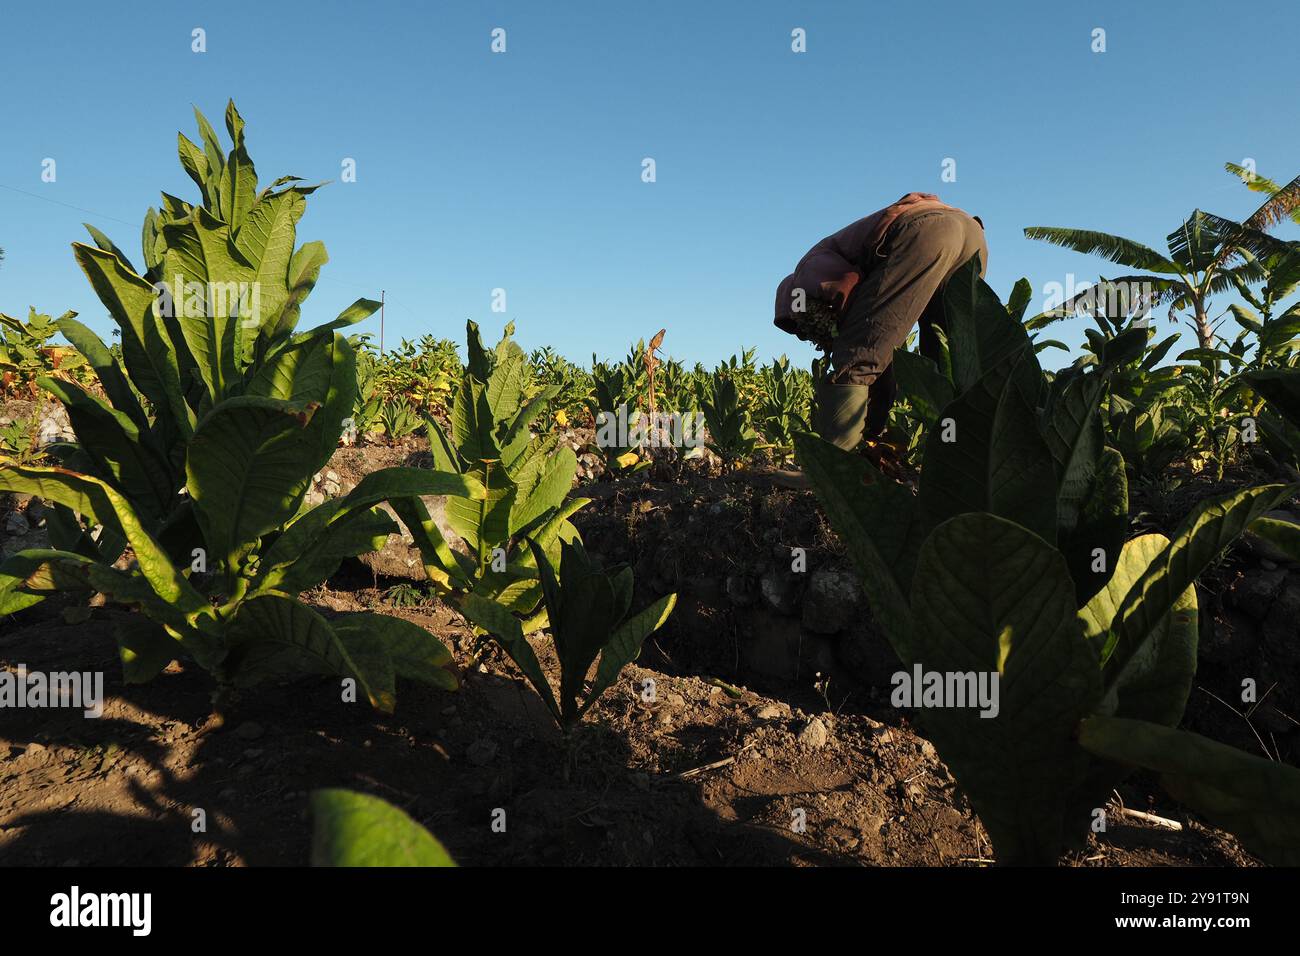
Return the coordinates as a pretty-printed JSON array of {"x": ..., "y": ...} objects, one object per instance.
[{"x": 837, "y": 292}]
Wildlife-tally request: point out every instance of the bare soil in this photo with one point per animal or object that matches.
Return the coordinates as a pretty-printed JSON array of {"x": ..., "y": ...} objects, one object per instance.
[{"x": 706, "y": 752}]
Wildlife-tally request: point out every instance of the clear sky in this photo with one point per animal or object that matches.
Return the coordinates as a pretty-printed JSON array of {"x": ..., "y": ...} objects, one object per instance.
[{"x": 523, "y": 170}]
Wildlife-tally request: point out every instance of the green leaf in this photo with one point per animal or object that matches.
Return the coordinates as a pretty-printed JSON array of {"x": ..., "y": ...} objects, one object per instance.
[
  {"x": 118, "y": 449},
  {"x": 99, "y": 502},
  {"x": 506, "y": 629},
  {"x": 415, "y": 653},
  {"x": 271, "y": 635},
  {"x": 1281, "y": 389},
  {"x": 354, "y": 829},
  {"x": 981, "y": 335},
  {"x": 1212, "y": 526},
  {"x": 624, "y": 646},
  {"x": 1102, "y": 522},
  {"x": 1258, "y": 800},
  {"x": 1157, "y": 678},
  {"x": 150, "y": 356},
  {"x": 145, "y": 648},
  {"x": 997, "y": 462},
  {"x": 1284, "y": 535},
  {"x": 879, "y": 523},
  {"x": 312, "y": 548},
  {"x": 990, "y": 597},
  {"x": 248, "y": 467},
  {"x": 922, "y": 384}
]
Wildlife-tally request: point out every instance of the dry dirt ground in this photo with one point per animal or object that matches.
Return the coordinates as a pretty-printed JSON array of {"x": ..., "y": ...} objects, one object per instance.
[{"x": 748, "y": 734}]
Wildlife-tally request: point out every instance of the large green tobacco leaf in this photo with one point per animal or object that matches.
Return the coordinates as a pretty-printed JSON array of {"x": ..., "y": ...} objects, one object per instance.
[
  {"x": 996, "y": 462},
  {"x": 265, "y": 243},
  {"x": 150, "y": 356},
  {"x": 415, "y": 653},
  {"x": 144, "y": 647},
  {"x": 1281, "y": 388},
  {"x": 118, "y": 448},
  {"x": 1101, "y": 523},
  {"x": 249, "y": 464},
  {"x": 981, "y": 335},
  {"x": 1212, "y": 526},
  {"x": 1157, "y": 678},
  {"x": 925, "y": 387},
  {"x": 485, "y": 523},
  {"x": 624, "y": 646},
  {"x": 312, "y": 548},
  {"x": 1074, "y": 434},
  {"x": 991, "y": 597},
  {"x": 272, "y": 635},
  {"x": 110, "y": 374},
  {"x": 321, "y": 370},
  {"x": 472, "y": 426},
  {"x": 537, "y": 500},
  {"x": 880, "y": 524},
  {"x": 1258, "y": 800},
  {"x": 1284, "y": 535},
  {"x": 505, "y": 627},
  {"x": 354, "y": 829},
  {"x": 211, "y": 297},
  {"x": 97, "y": 501}
]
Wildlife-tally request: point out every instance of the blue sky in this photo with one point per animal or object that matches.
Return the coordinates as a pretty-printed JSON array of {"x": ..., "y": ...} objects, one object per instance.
[{"x": 522, "y": 170}]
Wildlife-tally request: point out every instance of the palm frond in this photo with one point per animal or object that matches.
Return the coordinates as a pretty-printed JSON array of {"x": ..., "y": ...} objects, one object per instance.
[{"x": 1126, "y": 252}]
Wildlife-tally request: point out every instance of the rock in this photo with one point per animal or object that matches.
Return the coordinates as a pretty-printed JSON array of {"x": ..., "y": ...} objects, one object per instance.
[
  {"x": 814, "y": 735},
  {"x": 769, "y": 712},
  {"x": 249, "y": 730},
  {"x": 16, "y": 523},
  {"x": 36, "y": 513},
  {"x": 831, "y": 602},
  {"x": 481, "y": 752},
  {"x": 739, "y": 590},
  {"x": 1254, "y": 591},
  {"x": 780, "y": 591},
  {"x": 1281, "y": 631},
  {"x": 772, "y": 646}
]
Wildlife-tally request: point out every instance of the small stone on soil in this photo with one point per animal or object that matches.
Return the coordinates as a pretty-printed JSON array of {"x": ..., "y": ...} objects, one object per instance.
[{"x": 814, "y": 734}]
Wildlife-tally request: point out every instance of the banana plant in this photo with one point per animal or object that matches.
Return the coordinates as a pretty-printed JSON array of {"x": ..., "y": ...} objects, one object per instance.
[
  {"x": 1011, "y": 560},
  {"x": 183, "y": 494},
  {"x": 526, "y": 480},
  {"x": 587, "y": 608}
]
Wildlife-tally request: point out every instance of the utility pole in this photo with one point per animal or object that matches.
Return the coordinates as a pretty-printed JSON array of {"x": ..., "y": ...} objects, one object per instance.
[{"x": 381, "y": 322}]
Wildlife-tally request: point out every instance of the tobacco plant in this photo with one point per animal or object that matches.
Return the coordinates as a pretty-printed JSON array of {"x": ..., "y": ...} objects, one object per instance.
[
  {"x": 1011, "y": 558},
  {"x": 183, "y": 494},
  {"x": 527, "y": 479},
  {"x": 731, "y": 433},
  {"x": 786, "y": 393},
  {"x": 588, "y": 612}
]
